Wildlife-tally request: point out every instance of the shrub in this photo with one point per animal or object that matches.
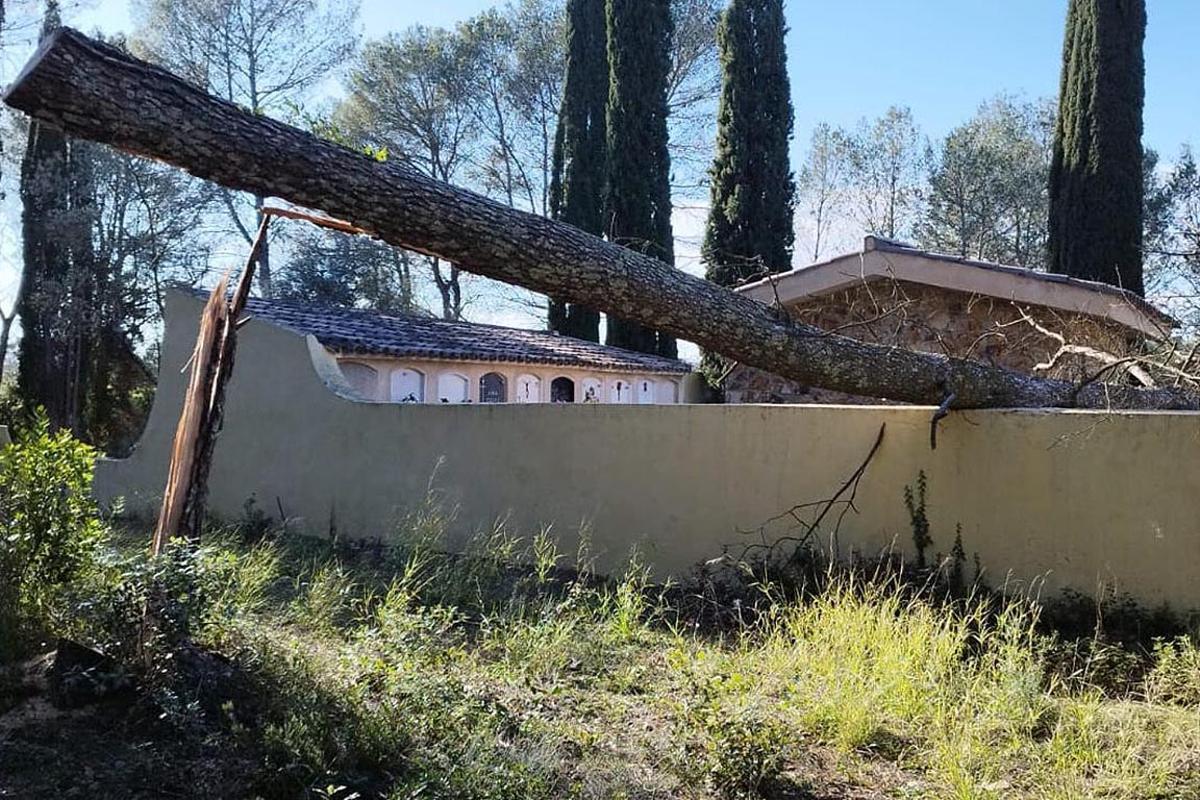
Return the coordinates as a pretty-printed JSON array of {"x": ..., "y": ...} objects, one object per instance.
[
  {"x": 141, "y": 609},
  {"x": 49, "y": 525},
  {"x": 742, "y": 753},
  {"x": 1175, "y": 677}
]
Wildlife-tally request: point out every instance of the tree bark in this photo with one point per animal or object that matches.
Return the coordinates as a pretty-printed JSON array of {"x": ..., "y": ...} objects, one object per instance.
[{"x": 94, "y": 91}]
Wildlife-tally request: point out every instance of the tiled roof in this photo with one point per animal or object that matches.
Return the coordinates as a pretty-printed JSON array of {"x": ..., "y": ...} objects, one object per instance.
[{"x": 350, "y": 331}]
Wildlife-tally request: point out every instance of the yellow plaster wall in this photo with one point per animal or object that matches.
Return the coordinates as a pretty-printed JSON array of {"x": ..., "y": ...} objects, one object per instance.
[{"x": 1079, "y": 499}]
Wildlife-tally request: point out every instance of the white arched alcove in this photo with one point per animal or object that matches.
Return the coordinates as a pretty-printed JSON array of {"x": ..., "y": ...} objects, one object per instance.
[
  {"x": 591, "y": 391},
  {"x": 362, "y": 378},
  {"x": 620, "y": 391},
  {"x": 408, "y": 386},
  {"x": 668, "y": 392},
  {"x": 645, "y": 391},
  {"x": 529, "y": 389},
  {"x": 453, "y": 388}
]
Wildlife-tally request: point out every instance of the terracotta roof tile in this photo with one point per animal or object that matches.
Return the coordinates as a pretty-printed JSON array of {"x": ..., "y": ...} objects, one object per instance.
[{"x": 348, "y": 331}]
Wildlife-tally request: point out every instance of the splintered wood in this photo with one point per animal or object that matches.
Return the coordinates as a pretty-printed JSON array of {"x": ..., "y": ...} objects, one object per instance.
[{"x": 182, "y": 512}]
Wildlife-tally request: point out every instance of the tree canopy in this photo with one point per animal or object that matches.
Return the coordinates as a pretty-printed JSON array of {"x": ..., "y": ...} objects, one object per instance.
[
  {"x": 750, "y": 227},
  {"x": 1096, "y": 179}
]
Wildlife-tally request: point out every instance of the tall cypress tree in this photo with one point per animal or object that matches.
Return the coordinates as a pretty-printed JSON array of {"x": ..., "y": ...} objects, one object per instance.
[
  {"x": 65, "y": 359},
  {"x": 1096, "y": 180},
  {"x": 750, "y": 223},
  {"x": 43, "y": 372},
  {"x": 637, "y": 202},
  {"x": 577, "y": 181}
]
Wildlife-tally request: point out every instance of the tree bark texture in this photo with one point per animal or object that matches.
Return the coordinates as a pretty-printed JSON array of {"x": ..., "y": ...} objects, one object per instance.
[{"x": 94, "y": 91}]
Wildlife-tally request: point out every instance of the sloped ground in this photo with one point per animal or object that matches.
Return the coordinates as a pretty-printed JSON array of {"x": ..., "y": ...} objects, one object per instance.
[
  {"x": 105, "y": 751},
  {"x": 283, "y": 669},
  {"x": 111, "y": 744}
]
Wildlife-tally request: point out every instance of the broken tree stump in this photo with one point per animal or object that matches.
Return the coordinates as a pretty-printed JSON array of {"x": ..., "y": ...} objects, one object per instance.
[{"x": 200, "y": 420}]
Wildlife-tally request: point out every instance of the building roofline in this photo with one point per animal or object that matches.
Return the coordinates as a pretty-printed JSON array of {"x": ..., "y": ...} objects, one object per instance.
[
  {"x": 360, "y": 336},
  {"x": 351, "y": 354},
  {"x": 875, "y": 262}
]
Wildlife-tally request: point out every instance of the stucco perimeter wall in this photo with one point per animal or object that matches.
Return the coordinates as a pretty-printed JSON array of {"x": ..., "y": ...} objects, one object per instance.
[{"x": 1080, "y": 499}]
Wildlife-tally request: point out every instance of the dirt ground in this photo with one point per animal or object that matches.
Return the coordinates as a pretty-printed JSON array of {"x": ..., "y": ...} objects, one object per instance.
[{"x": 118, "y": 747}]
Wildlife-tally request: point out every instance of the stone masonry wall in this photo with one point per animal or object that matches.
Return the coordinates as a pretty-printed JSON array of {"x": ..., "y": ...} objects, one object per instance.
[{"x": 937, "y": 320}]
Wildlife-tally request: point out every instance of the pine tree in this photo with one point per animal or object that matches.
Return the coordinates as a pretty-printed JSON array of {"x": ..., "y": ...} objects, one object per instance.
[
  {"x": 750, "y": 230},
  {"x": 637, "y": 207},
  {"x": 577, "y": 182},
  {"x": 1096, "y": 181}
]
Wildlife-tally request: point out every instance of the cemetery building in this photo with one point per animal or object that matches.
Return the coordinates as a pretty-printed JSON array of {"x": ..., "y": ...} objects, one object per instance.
[{"x": 410, "y": 358}]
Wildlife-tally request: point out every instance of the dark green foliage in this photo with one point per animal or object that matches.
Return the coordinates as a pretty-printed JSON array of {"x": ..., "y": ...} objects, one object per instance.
[
  {"x": 49, "y": 529},
  {"x": 352, "y": 271},
  {"x": 145, "y": 608},
  {"x": 637, "y": 201},
  {"x": 914, "y": 501},
  {"x": 739, "y": 756},
  {"x": 577, "y": 180},
  {"x": 1096, "y": 181},
  {"x": 43, "y": 377},
  {"x": 750, "y": 230},
  {"x": 958, "y": 558},
  {"x": 78, "y": 314}
]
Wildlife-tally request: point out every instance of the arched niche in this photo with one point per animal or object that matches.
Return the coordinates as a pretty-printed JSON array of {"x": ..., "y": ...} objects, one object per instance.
[
  {"x": 620, "y": 391},
  {"x": 493, "y": 388},
  {"x": 363, "y": 378},
  {"x": 529, "y": 389},
  {"x": 407, "y": 386},
  {"x": 646, "y": 391},
  {"x": 453, "y": 388},
  {"x": 562, "y": 390},
  {"x": 591, "y": 391}
]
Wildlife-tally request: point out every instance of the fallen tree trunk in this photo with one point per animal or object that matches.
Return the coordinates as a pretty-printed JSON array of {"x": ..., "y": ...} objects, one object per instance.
[{"x": 96, "y": 92}]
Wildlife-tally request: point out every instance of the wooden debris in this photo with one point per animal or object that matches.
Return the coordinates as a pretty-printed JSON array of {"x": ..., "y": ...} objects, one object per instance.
[{"x": 182, "y": 512}]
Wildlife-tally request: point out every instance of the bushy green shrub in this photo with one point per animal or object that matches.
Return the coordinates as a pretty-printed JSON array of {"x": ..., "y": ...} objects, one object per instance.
[
  {"x": 140, "y": 610},
  {"x": 742, "y": 752},
  {"x": 49, "y": 525},
  {"x": 1175, "y": 677}
]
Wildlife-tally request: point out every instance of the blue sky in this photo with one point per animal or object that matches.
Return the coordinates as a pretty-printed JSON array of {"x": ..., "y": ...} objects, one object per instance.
[
  {"x": 848, "y": 59},
  {"x": 854, "y": 58}
]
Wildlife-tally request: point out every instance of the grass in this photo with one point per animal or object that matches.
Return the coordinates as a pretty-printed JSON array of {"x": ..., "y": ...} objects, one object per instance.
[{"x": 515, "y": 672}]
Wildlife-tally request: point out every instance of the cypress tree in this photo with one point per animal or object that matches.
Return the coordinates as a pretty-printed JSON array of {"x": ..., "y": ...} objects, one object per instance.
[
  {"x": 43, "y": 371},
  {"x": 637, "y": 201},
  {"x": 577, "y": 181},
  {"x": 750, "y": 228},
  {"x": 1096, "y": 180},
  {"x": 70, "y": 341}
]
